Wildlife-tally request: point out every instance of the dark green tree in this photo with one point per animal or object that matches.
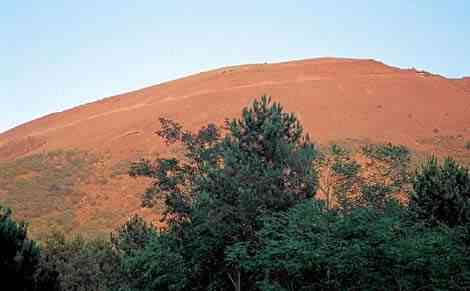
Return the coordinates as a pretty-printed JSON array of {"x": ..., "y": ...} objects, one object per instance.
[
  {"x": 79, "y": 264},
  {"x": 19, "y": 255},
  {"x": 147, "y": 259},
  {"x": 157, "y": 265},
  {"x": 218, "y": 192},
  {"x": 309, "y": 248},
  {"x": 133, "y": 235},
  {"x": 441, "y": 192},
  {"x": 175, "y": 180}
]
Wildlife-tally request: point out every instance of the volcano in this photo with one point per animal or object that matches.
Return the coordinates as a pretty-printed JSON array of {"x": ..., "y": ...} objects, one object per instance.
[{"x": 67, "y": 170}]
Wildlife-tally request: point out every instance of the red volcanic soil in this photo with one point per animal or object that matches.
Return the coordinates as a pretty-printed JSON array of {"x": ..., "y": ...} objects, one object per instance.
[
  {"x": 335, "y": 99},
  {"x": 463, "y": 83}
]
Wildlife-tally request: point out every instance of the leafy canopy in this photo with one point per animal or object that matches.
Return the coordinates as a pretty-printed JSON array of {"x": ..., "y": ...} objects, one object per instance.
[
  {"x": 19, "y": 255},
  {"x": 226, "y": 181},
  {"x": 441, "y": 192}
]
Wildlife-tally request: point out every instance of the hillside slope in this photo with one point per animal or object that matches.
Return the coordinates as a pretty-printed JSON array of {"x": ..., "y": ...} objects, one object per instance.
[{"x": 335, "y": 99}]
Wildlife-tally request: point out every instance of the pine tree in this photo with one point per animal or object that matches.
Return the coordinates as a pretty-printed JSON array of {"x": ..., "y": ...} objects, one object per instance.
[
  {"x": 442, "y": 192},
  {"x": 217, "y": 195},
  {"x": 18, "y": 255}
]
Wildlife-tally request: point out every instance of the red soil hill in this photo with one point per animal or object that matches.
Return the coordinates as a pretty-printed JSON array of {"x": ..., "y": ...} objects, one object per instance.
[{"x": 335, "y": 99}]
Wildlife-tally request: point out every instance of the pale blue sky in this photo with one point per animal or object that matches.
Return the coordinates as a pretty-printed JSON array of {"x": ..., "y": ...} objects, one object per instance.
[{"x": 59, "y": 54}]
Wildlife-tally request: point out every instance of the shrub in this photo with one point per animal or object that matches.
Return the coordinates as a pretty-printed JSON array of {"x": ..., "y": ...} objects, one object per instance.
[
  {"x": 442, "y": 192},
  {"x": 19, "y": 255},
  {"x": 388, "y": 165},
  {"x": 339, "y": 176},
  {"x": 80, "y": 265},
  {"x": 308, "y": 248},
  {"x": 377, "y": 176},
  {"x": 217, "y": 193},
  {"x": 158, "y": 265},
  {"x": 133, "y": 235}
]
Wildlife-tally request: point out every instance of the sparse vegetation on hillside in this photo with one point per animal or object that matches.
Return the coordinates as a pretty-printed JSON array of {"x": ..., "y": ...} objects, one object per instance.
[
  {"x": 340, "y": 176},
  {"x": 371, "y": 176},
  {"x": 42, "y": 187},
  {"x": 120, "y": 168}
]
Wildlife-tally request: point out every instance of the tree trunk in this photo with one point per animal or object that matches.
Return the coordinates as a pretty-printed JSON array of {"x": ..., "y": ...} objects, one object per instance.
[{"x": 237, "y": 281}]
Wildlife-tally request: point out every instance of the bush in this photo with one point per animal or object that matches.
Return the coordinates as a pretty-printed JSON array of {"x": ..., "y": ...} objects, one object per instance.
[
  {"x": 308, "y": 248},
  {"x": 388, "y": 165},
  {"x": 158, "y": 265},
  {"x": 19, "y": 255},
  {"x": 442, "y": 193},
  {"x": 379, "y": 173},
  {"x": 216, "y": 195},
  {"x": 339, "y": 176},
  {"x": 133, "y": 235},
  {"x": 80, "y": 265}
]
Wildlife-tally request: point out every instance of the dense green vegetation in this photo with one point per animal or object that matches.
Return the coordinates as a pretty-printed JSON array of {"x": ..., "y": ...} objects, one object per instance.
[
  {"x": 242, "y": 215},
  {"x": 19, "y": 256}
]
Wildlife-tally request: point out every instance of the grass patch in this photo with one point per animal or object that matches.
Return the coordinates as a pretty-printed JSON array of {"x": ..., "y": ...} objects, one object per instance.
[
  {"x": 120, "y": 168},
  {"x": 42, "y": 188}
]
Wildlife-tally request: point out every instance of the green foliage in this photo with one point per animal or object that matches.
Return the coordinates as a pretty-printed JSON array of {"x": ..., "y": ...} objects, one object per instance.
[
  {"x": 308, "y": 248},
  {"x": 442, "y": 192},
  {"x": 389, "y": 152},
  {"x": 346, "y": 183},
  {"x": 339, "y": 176},
  {"x": 217, "y": 193},
  {"x": 158, "y": 265},
  {"x": 133, "y": 235},
  {"x": 18, "y": 255},
  {"x": 174, "y": 179},
  {"x": 267, "y": 147},
  {"x": 388, "y": 165},
  {"x": 385, "y": 174},
  {"x": 80, "y": 265}
]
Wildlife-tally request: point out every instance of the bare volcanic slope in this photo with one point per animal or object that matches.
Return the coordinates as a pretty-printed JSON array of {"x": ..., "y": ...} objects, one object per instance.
[
  {"x": 336, "y": 99},
  {"x": 463, "y": 83}
]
